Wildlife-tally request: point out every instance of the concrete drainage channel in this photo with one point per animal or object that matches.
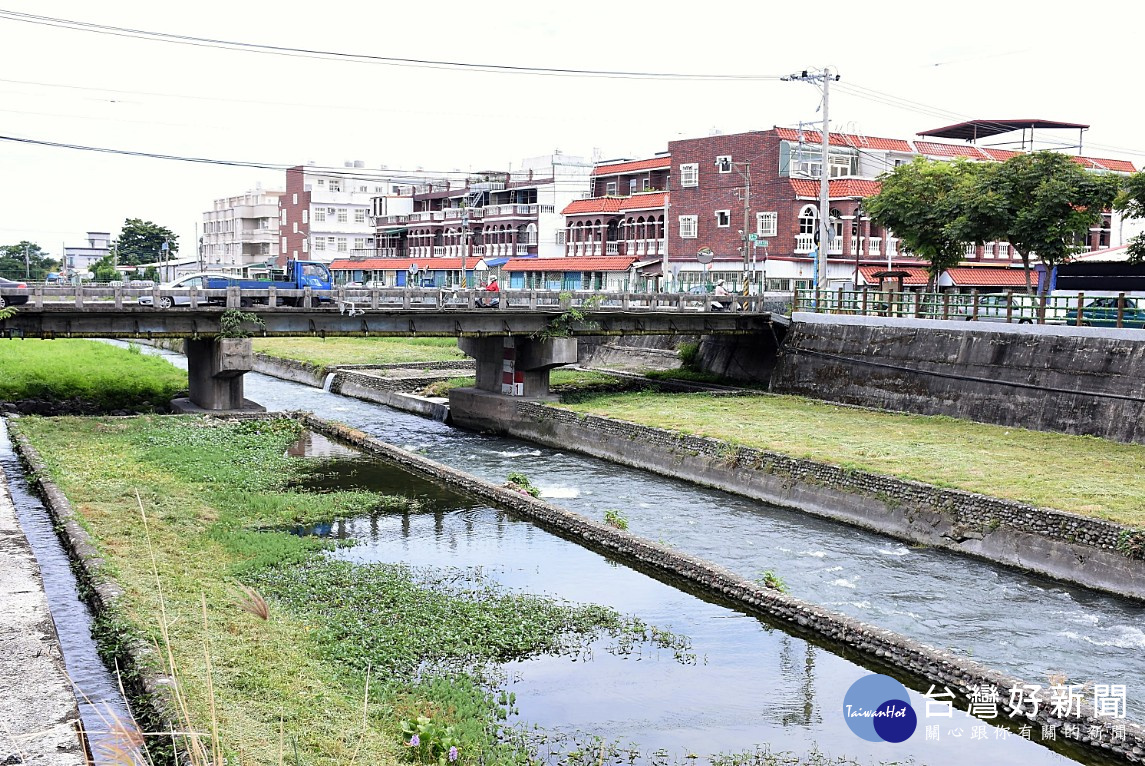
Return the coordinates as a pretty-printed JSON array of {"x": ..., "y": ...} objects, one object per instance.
[{"x": 879, "y": 647}]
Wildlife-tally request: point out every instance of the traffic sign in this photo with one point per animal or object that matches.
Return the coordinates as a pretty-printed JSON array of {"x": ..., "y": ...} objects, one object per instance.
[
  {"x": 753, "y": 237},
  {"x": 705, "y": 255}
]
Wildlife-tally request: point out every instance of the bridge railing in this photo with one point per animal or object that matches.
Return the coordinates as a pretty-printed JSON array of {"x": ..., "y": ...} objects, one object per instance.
[
  {"x": 357, "y": 300},
  {"x": 1112, "y": 310}
]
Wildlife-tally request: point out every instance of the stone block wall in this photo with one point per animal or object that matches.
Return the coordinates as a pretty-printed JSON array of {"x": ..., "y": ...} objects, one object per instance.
[{"x": 1049, "y": 378}]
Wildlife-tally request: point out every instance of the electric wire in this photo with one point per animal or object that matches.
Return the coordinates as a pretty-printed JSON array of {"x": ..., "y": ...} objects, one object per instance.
[{"x": 281, "y": 50}]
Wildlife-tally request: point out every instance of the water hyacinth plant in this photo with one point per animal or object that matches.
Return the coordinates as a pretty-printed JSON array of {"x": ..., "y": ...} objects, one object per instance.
[{"x": 430, "y": 741}]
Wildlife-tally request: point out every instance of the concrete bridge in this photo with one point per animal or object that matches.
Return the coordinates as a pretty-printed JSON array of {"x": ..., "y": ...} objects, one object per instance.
[{"x": 516, "y": 344}]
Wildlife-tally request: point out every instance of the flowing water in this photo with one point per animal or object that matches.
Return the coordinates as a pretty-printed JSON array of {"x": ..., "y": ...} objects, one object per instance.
[
  {"x": 753, "y": 683},
  {"x": 100, "y": 701}
]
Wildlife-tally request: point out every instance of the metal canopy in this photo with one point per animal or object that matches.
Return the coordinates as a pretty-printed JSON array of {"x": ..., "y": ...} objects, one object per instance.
[{"x": 971, "y": 130}]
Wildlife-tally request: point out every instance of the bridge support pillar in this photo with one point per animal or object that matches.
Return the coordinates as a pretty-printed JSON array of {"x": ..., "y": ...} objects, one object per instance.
[
  {"x": 518, "y": 365},
  {"x": 215, "y": 369}
]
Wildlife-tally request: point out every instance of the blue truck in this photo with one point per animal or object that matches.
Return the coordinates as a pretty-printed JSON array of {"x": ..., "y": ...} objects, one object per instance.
[{"x": 297, "y": 275}]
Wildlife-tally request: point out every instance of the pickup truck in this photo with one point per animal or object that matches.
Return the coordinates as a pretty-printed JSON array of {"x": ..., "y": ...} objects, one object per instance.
[{"x": 298, "y": 275}]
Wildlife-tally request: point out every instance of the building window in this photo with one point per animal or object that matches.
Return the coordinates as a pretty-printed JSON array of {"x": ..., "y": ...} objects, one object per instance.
[
  {"x": 688, "y": 226},
  {"x": 690, "y": 174},
  {"x": 359, "y": 243},
  {"x": 306, "y": 216},
  {"x": 341, "y": 244},
  {"x": 724, "y": 163},
  {"x": 359, "y": 216},
  {"x": 808, "y": 220},
  {"x": 646, "y": 184},
  {"x": 335, "y": 185},
  {"x": 631, "y": 185},
  {"x": 766, "y": 224},
  {"x": 330, "y": 243},
  {"x": 319, "y": 244},
  {"x": 295, "y": 198},
  {"x": 363, "y": 188},
  {"x": 321, "y": 181},
  {"x": 560, "y": 237},
  {"x": 319, "y": 214},
  {"x": 723, "y": 218},
  {"x": 610, "y": 189},
  {"x": 343, "y": 216}
]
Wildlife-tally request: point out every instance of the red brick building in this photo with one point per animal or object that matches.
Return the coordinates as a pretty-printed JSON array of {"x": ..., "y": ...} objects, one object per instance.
[{"x": 748, "y": 205}]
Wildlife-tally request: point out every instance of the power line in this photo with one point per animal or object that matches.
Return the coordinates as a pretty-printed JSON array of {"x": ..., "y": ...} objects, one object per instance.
[{"x": 280, "y": 50}]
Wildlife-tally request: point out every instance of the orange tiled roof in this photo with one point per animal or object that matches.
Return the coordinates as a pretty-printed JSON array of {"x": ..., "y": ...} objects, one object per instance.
[
  {"x": 838, "y": 188},
  {"x": 999, "y": 155},
  {"x": 573, "y": 263},
  {"x": 645, "y": 201},
  {"x": 847, "y": 139},
  {"x": 916, "y": 275},
  {"x": 635, "y": 166},
  {"x": 1093, "y": 163},
  {"x": 594, "y": 205},
  {"x": 986, "y": 276},
  {"x": 936, "y": 149}
]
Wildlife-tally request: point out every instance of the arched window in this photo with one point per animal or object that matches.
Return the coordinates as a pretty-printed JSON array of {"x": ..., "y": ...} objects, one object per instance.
[{"x": 808, "y": 219}]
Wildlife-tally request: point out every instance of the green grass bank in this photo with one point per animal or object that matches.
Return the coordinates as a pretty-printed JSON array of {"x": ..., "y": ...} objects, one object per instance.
[
  {"x": 329, "y": 351},
  {"x": 289, "y": 655},
  {"x": 98, "y": 375},
  {"x": 1081, "y": 474}
]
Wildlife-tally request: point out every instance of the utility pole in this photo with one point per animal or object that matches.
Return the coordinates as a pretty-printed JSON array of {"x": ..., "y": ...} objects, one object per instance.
[
  {"x": 27, "y": 264},
  {"x": 825, "y": 77},
  {"x": 745, "y": 246}
]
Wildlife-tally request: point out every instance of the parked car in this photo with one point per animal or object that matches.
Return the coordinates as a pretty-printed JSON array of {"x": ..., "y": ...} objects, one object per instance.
[
  {"x": 1018, "y": 308},
  {"x": 197, "y": 281},
  {"x": 7, "y": 298},
  {"x": 1102, "y": 312}
]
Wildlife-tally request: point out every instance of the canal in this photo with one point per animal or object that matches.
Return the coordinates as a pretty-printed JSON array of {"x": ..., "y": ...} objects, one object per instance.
[{"x": 750, "y": 683}]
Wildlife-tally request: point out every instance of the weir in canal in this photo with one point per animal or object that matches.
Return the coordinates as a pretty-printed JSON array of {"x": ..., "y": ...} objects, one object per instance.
[{"x": 752, "y": 683}]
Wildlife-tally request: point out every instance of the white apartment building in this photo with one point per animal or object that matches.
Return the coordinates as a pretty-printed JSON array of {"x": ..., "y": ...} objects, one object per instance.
[
  {"x": 80, "y": 259},
  {"x": 241, "y": 230},
  {"x": 326, "y": 212}
]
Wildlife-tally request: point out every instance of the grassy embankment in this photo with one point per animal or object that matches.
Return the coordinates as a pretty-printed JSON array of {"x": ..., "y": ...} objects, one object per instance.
[
  {"x": 1085, "y": 475},
  {"x": 426, "y": 642},
  {"x": 102, "y": 376},
  {"x": 328, "y": 351}
]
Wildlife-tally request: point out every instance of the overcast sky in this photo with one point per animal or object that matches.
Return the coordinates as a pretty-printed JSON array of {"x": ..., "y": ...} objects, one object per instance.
[{"x": 904, "y": 67}]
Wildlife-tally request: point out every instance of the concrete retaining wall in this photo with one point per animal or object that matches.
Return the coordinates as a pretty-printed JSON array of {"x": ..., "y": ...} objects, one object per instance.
[
  {"x": 1049, "y": 378},
  {"x": 1062, "y": 545},
  {"x": 880, "y": 648}
]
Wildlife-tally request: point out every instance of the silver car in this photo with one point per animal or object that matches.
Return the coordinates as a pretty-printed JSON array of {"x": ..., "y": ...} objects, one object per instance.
[{"x": 181, "y": 286}]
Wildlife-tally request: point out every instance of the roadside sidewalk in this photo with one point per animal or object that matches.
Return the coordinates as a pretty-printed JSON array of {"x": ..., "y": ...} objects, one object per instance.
[{"x": 38, "y": 711}]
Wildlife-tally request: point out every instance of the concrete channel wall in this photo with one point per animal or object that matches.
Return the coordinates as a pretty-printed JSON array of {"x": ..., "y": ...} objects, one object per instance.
[
  {"x": 1074, "y": 380},
  {"x": 38, "y": 710},
  {"x": 1066, "y": 546},
  {"x": 881, "y": 648}
]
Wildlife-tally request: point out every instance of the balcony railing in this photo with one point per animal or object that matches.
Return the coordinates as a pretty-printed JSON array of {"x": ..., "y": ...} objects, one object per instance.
[{"x": 804, "y": 243}]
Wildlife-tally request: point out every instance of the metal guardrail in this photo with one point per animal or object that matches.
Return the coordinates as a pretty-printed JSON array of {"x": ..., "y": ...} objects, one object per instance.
[
  {"x": 360, "y": 300},
  {"x": 1009, "y": 307}
]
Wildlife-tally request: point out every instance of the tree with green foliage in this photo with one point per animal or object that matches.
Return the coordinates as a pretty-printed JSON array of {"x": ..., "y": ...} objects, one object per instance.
[
  {"x": 919, "y": 201},
  {"x": 1131, "y": 203},
  {"x": 26, "y": 260},
  {"x": 142, "y": 241},
  {"x": 104, "y": 270},
  {"x": 1042, "y": 203}
]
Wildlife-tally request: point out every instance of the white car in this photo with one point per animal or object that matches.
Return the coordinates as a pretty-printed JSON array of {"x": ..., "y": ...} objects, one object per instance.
[{"x": 184, "y": 284}]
